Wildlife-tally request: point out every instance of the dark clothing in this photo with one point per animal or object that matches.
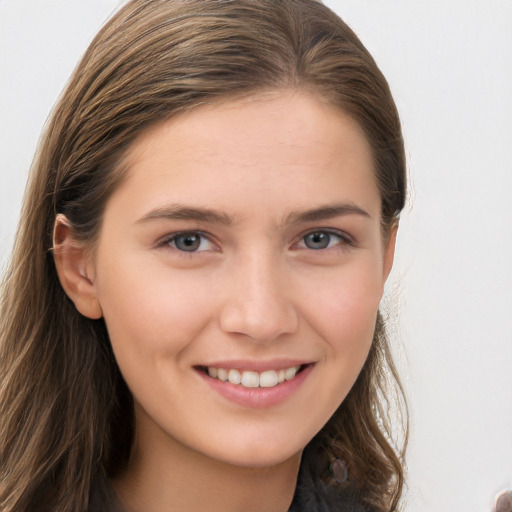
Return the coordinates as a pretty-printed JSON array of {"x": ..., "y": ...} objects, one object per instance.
[{"x": 315, "y": 494}]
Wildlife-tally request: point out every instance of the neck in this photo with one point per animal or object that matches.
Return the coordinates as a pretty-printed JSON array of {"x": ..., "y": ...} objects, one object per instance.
[{"x": 167, "y": 476}]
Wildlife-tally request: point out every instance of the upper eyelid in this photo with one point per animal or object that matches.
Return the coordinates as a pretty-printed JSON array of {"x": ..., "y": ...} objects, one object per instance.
[
  {"x": 172, "y": 236},
  {"x": 331, "y": 231}
]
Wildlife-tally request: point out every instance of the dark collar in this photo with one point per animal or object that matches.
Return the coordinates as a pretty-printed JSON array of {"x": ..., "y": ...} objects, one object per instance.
[{"x": 318, "y": 496}]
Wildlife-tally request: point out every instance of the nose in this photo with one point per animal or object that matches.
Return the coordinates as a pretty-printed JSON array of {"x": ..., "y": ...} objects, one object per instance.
[{"x": 258, "y": 303}]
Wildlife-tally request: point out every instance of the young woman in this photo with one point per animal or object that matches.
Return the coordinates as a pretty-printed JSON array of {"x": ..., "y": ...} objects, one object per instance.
[{"x": 190, "y": 318}]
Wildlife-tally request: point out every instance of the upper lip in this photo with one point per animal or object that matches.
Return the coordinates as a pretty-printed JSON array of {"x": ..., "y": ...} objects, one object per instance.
[{"x": 256, "y": 366}]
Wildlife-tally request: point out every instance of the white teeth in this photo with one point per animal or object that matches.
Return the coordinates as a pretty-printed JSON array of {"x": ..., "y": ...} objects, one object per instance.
[
  {"x": 251, "y": 379},
  {"x": 222, "y": 374},
  {"x": 289, "y": 373},
  {"x": 268, "y": 379},
  {"x": 234, "y": 377}
]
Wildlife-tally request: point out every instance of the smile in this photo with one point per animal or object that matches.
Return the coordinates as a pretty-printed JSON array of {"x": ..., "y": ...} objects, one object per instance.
[
  {"x": 252, "y": 379},
  {"x": 256, "y": 384}
]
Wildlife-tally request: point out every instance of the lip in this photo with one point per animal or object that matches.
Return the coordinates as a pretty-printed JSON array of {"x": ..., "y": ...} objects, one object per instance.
[{"x": 257, "y": 397}]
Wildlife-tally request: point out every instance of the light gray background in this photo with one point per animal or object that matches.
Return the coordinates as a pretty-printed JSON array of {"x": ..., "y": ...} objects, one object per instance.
[{"x": 449, "y": 64}]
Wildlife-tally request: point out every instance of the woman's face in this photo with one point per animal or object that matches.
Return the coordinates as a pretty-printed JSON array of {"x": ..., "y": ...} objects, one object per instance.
[{"x": 245, "y": 244}]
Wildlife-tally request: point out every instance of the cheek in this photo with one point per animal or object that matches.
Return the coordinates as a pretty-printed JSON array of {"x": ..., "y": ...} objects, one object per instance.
[
  {"x": 343, "y": 312},
  {"x": 349, "y": 334},
  {"x": 344, "y": 308},
  {"x": 149, "y": 312}
]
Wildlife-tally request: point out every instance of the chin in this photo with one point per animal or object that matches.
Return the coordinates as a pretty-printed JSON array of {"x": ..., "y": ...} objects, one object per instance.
[{"x": 259, "y": 454}]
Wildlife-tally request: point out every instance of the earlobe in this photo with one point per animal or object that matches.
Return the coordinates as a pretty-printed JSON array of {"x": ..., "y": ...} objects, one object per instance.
[{"x": 75, "y": 269}]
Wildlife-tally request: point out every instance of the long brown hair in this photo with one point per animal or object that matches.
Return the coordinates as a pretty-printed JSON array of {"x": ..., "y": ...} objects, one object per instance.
[{"x": 66, "y": 414}]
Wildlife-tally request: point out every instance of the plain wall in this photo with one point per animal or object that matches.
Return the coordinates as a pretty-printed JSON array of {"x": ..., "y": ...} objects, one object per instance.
[{"x": 449, "y": 64}]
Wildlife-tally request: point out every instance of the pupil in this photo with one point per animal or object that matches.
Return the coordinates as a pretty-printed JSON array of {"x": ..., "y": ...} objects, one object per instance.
[
  {"x": 317, "y": 240},
  {"x": 188, "y": 242}
]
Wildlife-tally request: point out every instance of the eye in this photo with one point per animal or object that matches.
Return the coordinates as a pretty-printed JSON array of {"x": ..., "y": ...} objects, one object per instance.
[
  {"x": 189, "y": 241},
  {"x": 318, "y": 240}
]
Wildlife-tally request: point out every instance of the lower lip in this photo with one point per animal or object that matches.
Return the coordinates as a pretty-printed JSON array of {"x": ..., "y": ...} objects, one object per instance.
[{"x": 258, "y": 397}]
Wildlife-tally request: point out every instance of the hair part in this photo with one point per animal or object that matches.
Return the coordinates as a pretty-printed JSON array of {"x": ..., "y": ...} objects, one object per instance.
[{"x": 67, "y": 415}]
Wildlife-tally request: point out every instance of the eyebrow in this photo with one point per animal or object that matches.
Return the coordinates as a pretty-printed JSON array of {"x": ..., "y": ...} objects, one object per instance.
[
  {"x": 181, "y": 212},
  {"x": 209, "y": 215},
  {"x": 325, "y": 213}
]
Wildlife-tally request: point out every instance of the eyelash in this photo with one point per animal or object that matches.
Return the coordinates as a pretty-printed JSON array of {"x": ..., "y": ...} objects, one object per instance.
[
  {"x": 343, "y": 240},
  {"x": 171, "y": 240}
]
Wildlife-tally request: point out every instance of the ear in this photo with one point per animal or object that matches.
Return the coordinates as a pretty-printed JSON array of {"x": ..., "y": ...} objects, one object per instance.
[
  {"x": 75, "y": 269},
  {"x": 389, "y": 250}
]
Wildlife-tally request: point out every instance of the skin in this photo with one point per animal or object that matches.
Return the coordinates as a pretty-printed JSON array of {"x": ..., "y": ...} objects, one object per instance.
[{"x": 252, "y": 292}]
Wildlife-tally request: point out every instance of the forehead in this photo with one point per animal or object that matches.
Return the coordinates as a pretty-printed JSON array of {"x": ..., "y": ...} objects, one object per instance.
[
  {"x": 263, "y": 146},
  {"x": 288, "y": 116}
]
